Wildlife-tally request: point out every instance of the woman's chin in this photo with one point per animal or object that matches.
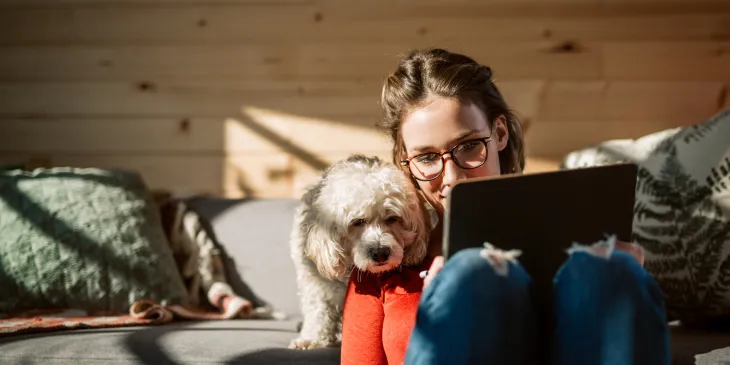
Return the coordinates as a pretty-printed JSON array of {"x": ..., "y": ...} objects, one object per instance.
[{"x": 441, "y": 206}]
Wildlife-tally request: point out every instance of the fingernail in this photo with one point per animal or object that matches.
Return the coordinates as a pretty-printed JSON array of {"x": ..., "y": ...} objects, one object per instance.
[{"x": 423, "y": 274}]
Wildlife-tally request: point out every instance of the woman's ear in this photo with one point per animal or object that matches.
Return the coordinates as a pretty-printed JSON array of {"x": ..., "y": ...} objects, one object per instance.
[
  {"x": 325, "y": 251},
  {"x": 500, "y": 132}
]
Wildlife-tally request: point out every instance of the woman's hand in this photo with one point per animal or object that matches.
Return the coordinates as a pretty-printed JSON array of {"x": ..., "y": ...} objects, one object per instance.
[
  {"x": 633, "y": 249},
  {"x": 436, "y": 265}
]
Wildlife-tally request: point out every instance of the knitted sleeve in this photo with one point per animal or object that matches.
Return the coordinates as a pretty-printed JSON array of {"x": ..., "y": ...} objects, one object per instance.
[
  {"x": 362, "y": 322},
  {"x": 401, "y": 298}
]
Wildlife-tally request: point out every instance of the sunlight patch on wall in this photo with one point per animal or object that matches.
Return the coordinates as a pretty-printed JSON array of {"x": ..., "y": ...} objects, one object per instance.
[
  {"x": 274, "y": 154},
  {"x": 347, "y": 133}
]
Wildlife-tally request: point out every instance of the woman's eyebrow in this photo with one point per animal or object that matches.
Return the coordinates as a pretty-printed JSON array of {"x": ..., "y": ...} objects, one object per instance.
[{"x": 452, "y": 141}]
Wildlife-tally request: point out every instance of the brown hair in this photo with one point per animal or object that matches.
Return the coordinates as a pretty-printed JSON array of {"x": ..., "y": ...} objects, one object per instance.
[{"x": 439, "y": 72}]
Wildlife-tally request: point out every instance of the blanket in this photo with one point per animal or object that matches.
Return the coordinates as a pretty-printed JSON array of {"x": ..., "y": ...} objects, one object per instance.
[{"x": 201, "y": 266}]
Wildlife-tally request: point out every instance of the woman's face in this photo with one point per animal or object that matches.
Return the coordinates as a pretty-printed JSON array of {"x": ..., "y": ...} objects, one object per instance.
[{"x": 442, "y": 123}]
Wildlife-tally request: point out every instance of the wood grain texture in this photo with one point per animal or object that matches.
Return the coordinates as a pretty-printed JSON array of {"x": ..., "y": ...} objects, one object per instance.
[
  {"x": 663, "y": 61},
  {"x": 553, "y": 139},
  {"x": 255, "y": 98},
  {"x": 176, "y": 99},
  {"x": 261, "y": 131},
  {"x": 636, "y": 101},
  {"x": 431, "y": 23},
  {"x": 180, "y": 174},
  {"x": 660, "y": 61},
  {"x": 212, "y": 98},
  {"x": 313, "y": 61},
  {"x": 127, "y": 136}
]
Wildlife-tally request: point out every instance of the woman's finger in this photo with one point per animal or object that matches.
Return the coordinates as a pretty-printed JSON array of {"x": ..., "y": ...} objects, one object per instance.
[
  {"x": 633, "y": 249},
  {"x": 436, "y": 265}
]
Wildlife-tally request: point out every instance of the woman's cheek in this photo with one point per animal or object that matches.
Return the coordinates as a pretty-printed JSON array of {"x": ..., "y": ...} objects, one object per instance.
[{"x": 432, "y": 190}]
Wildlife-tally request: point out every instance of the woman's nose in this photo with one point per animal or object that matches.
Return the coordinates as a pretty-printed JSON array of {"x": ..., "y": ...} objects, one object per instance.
[{"x": 452, "y": 172}]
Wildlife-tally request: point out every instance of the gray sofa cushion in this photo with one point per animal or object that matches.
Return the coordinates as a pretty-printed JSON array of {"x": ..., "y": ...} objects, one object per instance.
[
  {"x": 240, "y": 342},
  {"x": 218, "y": 342},
  {"x": 255, "y": 236}
]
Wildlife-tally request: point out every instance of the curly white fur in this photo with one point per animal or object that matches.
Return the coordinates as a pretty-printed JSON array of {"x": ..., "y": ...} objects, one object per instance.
[{"x": 363, "y": 213}]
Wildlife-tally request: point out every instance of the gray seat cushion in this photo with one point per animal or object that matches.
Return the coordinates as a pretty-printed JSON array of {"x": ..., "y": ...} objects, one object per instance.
[
  {"x": 240, "y": 342},
  {"x": 216, "y": 342},
  {"x": 255, "y": 236}
]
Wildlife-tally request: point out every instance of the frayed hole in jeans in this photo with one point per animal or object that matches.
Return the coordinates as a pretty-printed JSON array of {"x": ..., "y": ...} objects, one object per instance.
[{"x": 499, "y": 259}]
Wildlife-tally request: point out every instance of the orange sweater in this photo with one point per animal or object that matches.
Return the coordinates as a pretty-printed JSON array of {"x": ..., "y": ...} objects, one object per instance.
[{"x": 379, "y": 315}]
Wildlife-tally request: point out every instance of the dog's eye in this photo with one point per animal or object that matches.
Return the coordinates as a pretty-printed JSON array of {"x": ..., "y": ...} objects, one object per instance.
[
  {"x": 358, "y": 222},
  {"x": 392, "y": 219}
]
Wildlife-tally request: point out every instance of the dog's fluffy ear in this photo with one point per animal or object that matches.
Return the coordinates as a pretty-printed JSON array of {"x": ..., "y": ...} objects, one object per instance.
[
  {"x": 325, "y": 252},
  {"x": 417, "y": 224}
]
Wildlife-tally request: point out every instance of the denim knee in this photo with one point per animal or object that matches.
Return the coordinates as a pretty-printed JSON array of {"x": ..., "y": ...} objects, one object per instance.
[
  {"x": 469, "y": 270},
  {"x": 473, "y": 313},
  {"x": 620, "y": 271},
  {"x": 620, "y": 263},
  {"x": 607, "y": 300}
]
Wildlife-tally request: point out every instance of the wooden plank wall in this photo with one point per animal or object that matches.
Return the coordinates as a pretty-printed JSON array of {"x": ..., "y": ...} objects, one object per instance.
[{"x": 254, "y": 98}]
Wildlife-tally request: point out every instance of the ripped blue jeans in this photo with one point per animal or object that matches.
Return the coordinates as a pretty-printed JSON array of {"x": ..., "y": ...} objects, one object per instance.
[{"x": 608, "y": 310}]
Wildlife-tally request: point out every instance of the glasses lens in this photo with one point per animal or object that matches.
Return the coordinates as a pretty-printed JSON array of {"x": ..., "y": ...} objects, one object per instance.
[
  {"x": 471, "y": 154},
  {"x": 426, "y": 166}
]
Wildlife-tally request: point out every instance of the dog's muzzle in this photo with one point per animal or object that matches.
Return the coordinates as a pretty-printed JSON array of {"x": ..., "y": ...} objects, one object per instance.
[{"x": 379, "y": 254}]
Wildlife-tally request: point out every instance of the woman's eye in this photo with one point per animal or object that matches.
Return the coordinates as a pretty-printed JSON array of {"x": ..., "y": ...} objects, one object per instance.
[
  {"x": 392, "y": 219},
  {"x": 468, "y": 146},
  {"x": 358, "y": 222},
  {"x": 426, "y": 159}
]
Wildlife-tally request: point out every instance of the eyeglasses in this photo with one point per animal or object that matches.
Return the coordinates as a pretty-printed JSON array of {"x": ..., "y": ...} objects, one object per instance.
[{"x": 467, "y": 155}]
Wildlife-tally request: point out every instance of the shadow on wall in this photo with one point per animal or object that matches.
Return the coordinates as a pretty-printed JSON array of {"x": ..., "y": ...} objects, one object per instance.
[
  {"x": 288, "y": 146},
  {"x": 310, "y": 144},
  {"x": 247, "y": 185}
]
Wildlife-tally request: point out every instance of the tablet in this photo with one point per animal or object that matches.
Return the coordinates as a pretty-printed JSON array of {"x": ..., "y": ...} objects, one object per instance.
[{"x": 541, "y": 214}]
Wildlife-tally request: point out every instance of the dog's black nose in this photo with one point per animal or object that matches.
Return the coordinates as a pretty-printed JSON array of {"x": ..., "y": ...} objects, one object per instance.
[{"x": 379, "y": 254}]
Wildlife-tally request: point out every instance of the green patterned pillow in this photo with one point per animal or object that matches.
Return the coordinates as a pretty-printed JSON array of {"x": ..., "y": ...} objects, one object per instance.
[
  {"x": 84, "y": 239},
  {"x": 682, "y": 211}
]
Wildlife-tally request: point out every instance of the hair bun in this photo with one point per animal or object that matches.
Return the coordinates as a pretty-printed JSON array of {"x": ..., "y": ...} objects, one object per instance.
[{"x": 487, "y": 71}]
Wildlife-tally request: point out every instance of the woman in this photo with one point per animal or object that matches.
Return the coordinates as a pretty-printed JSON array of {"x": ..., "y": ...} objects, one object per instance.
[{"x": 449, "y": 122}]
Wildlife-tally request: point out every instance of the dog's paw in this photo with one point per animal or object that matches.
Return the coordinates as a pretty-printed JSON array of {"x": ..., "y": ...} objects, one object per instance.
[{"x": 307, "y": 344}]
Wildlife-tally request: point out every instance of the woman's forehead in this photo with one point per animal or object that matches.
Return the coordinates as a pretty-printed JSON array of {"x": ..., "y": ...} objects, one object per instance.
[{"x": 439, "y": 122}]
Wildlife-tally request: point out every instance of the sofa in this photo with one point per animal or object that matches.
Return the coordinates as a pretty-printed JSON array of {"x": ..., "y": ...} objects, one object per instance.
[{"x": 254, "y": 234}]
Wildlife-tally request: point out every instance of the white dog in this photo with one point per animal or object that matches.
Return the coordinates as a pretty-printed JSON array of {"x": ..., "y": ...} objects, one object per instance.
[{"x": 362, "y": 213}]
